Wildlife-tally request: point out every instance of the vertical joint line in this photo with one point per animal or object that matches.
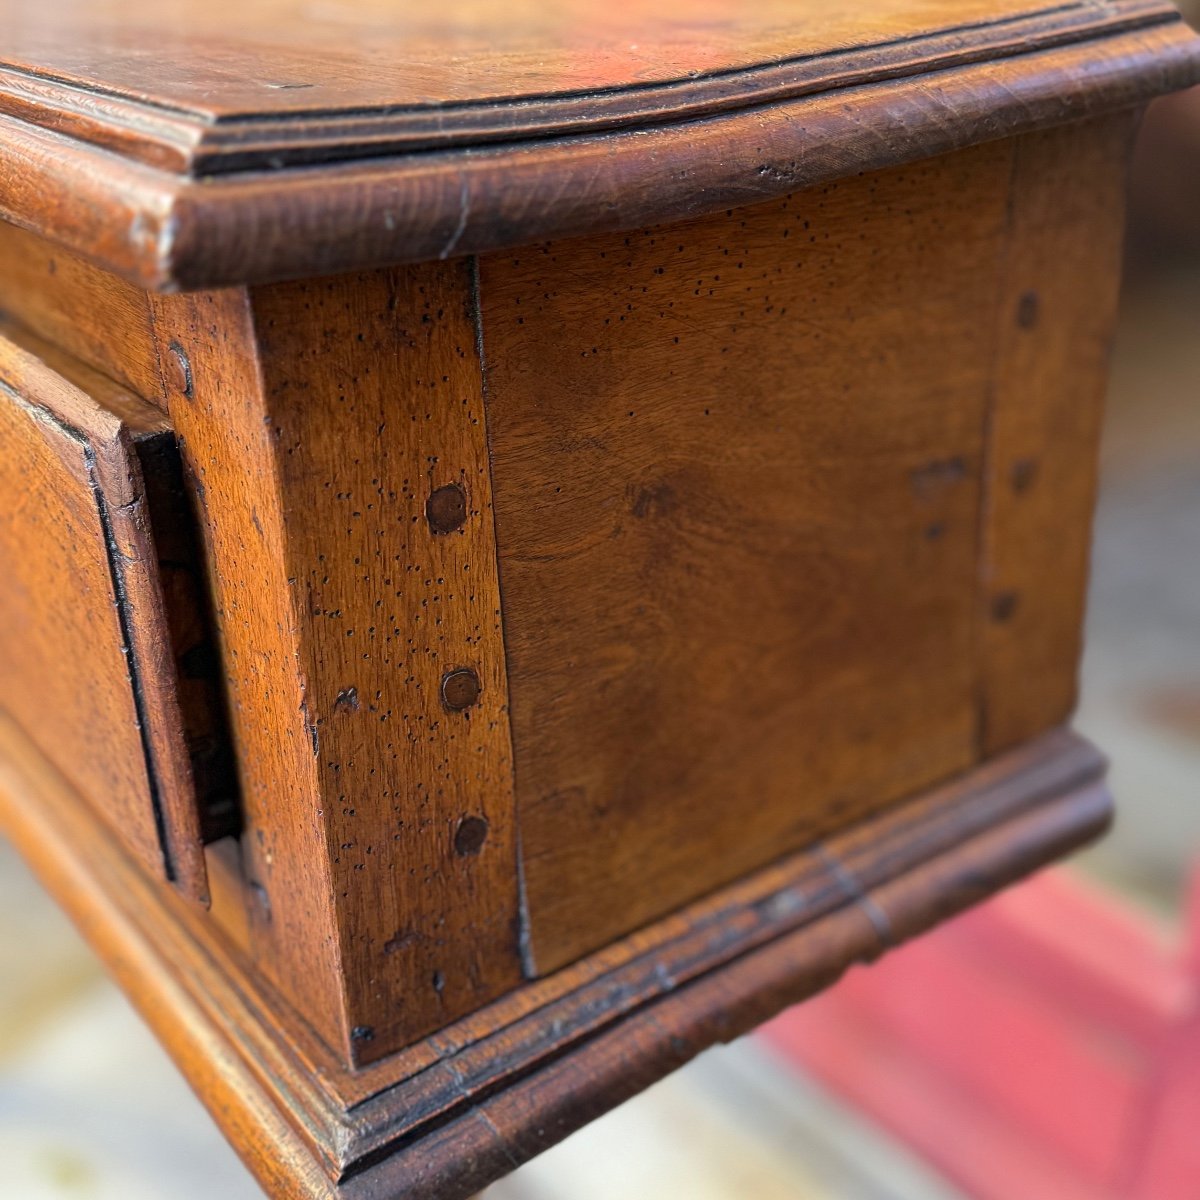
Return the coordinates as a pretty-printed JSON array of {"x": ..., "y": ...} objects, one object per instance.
[
  {"x": 987, "y": 459},
  {"x": 524, "y": 930}
]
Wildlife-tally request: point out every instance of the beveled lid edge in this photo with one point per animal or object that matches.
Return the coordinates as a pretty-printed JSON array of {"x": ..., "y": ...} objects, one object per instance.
[
  {"x": 197, "y": 145},
  {"x": 164, "y": 231}
]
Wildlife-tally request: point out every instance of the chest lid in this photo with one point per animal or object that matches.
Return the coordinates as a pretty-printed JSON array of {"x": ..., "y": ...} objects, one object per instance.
[{"x": 188, "y": 144}]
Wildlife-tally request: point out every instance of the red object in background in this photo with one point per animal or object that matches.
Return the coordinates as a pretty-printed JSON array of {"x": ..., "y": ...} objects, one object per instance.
[{"x": 1043, "y": 1047}]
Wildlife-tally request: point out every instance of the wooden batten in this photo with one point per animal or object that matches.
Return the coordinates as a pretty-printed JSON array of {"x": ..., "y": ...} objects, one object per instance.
[
  {"x": 357, "y": 598},
  {"x": 1056, "y": 316}
]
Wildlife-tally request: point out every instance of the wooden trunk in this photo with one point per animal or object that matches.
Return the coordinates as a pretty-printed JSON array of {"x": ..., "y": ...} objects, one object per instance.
[{"x": 518, "y": 561}]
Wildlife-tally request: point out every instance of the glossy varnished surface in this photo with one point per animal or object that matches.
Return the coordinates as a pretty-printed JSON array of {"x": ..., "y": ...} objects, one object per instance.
[
  {"x": 539, "y": 801},
  {"x": 1052, "y": 349},
  {"x": 765, "y": 567},
  {"x": 298, "y": 56},
  {"x": 737, "y": 496},
  {"x": 380, "y": 832},
  {"x": 187, "y": 145},
  {"x": 740, "y": 464},
  {"x": 90, "y": 314},
  {"x": 85, "y": 660},
  {"x": 461, "y": 1109},
  {"x": 337, "y": 80}
]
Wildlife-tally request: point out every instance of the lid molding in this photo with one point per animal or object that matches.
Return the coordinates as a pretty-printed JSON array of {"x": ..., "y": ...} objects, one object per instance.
[
  {"x": 197, "y": 144},
  {"x": 176, "y": 201}
]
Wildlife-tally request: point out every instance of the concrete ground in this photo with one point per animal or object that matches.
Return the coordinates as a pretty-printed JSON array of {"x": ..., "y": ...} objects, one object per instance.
[{"x": 91, "y": 1109}]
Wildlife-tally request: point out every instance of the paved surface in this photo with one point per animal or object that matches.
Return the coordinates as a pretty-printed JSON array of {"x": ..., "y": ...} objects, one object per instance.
[{"x": 91, "y": 1109}]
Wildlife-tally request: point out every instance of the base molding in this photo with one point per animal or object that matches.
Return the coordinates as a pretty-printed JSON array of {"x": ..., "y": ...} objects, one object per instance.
[{"x": 452, "y": 1113}]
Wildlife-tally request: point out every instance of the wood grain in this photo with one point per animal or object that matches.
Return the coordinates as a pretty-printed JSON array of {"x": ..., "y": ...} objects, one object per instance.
[
  {"x": 86, "y": 663},
  {"x": 229, "y": 464},
  {"x": 777, "y": 358},
  {"x": 562, "y": 1050},
  {"x": 180, "y": 574},
  {"x": 94, "y": 316},
  {"x": 1057, "y": 314},
  {"x": 251, "y": 87},
  {"x": 164, "y": 229},
  {"x": 379, "y": 815},
  {"x": 738, "y": 467},
  {"x": 141, "y": 937}
]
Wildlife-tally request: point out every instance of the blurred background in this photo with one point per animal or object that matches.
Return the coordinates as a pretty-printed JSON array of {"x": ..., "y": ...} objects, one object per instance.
[{"x": 1047, "y": 1046}]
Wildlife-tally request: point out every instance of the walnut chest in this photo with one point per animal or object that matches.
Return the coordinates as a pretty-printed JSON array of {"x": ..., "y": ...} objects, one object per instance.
[{"x": 533, "y": 536}]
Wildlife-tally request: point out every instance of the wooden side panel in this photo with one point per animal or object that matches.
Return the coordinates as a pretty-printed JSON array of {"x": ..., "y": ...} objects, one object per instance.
[
  {"x": 85, "y": 661},
  {"x": 737, "y": 465},
  {"x": 348, "y": 499},
  {"x": 1056, "y": 321},
  {"x": 91, "y": 314}
]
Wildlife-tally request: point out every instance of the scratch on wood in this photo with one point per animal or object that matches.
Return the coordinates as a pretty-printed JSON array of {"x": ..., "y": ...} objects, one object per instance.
[{"x": 464, "y": 211}]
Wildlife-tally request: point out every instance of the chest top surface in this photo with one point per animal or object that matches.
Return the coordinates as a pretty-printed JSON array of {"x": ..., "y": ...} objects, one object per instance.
[
  {"x": 282, "y": 58},
  {"x": 586, "y": 114}
]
